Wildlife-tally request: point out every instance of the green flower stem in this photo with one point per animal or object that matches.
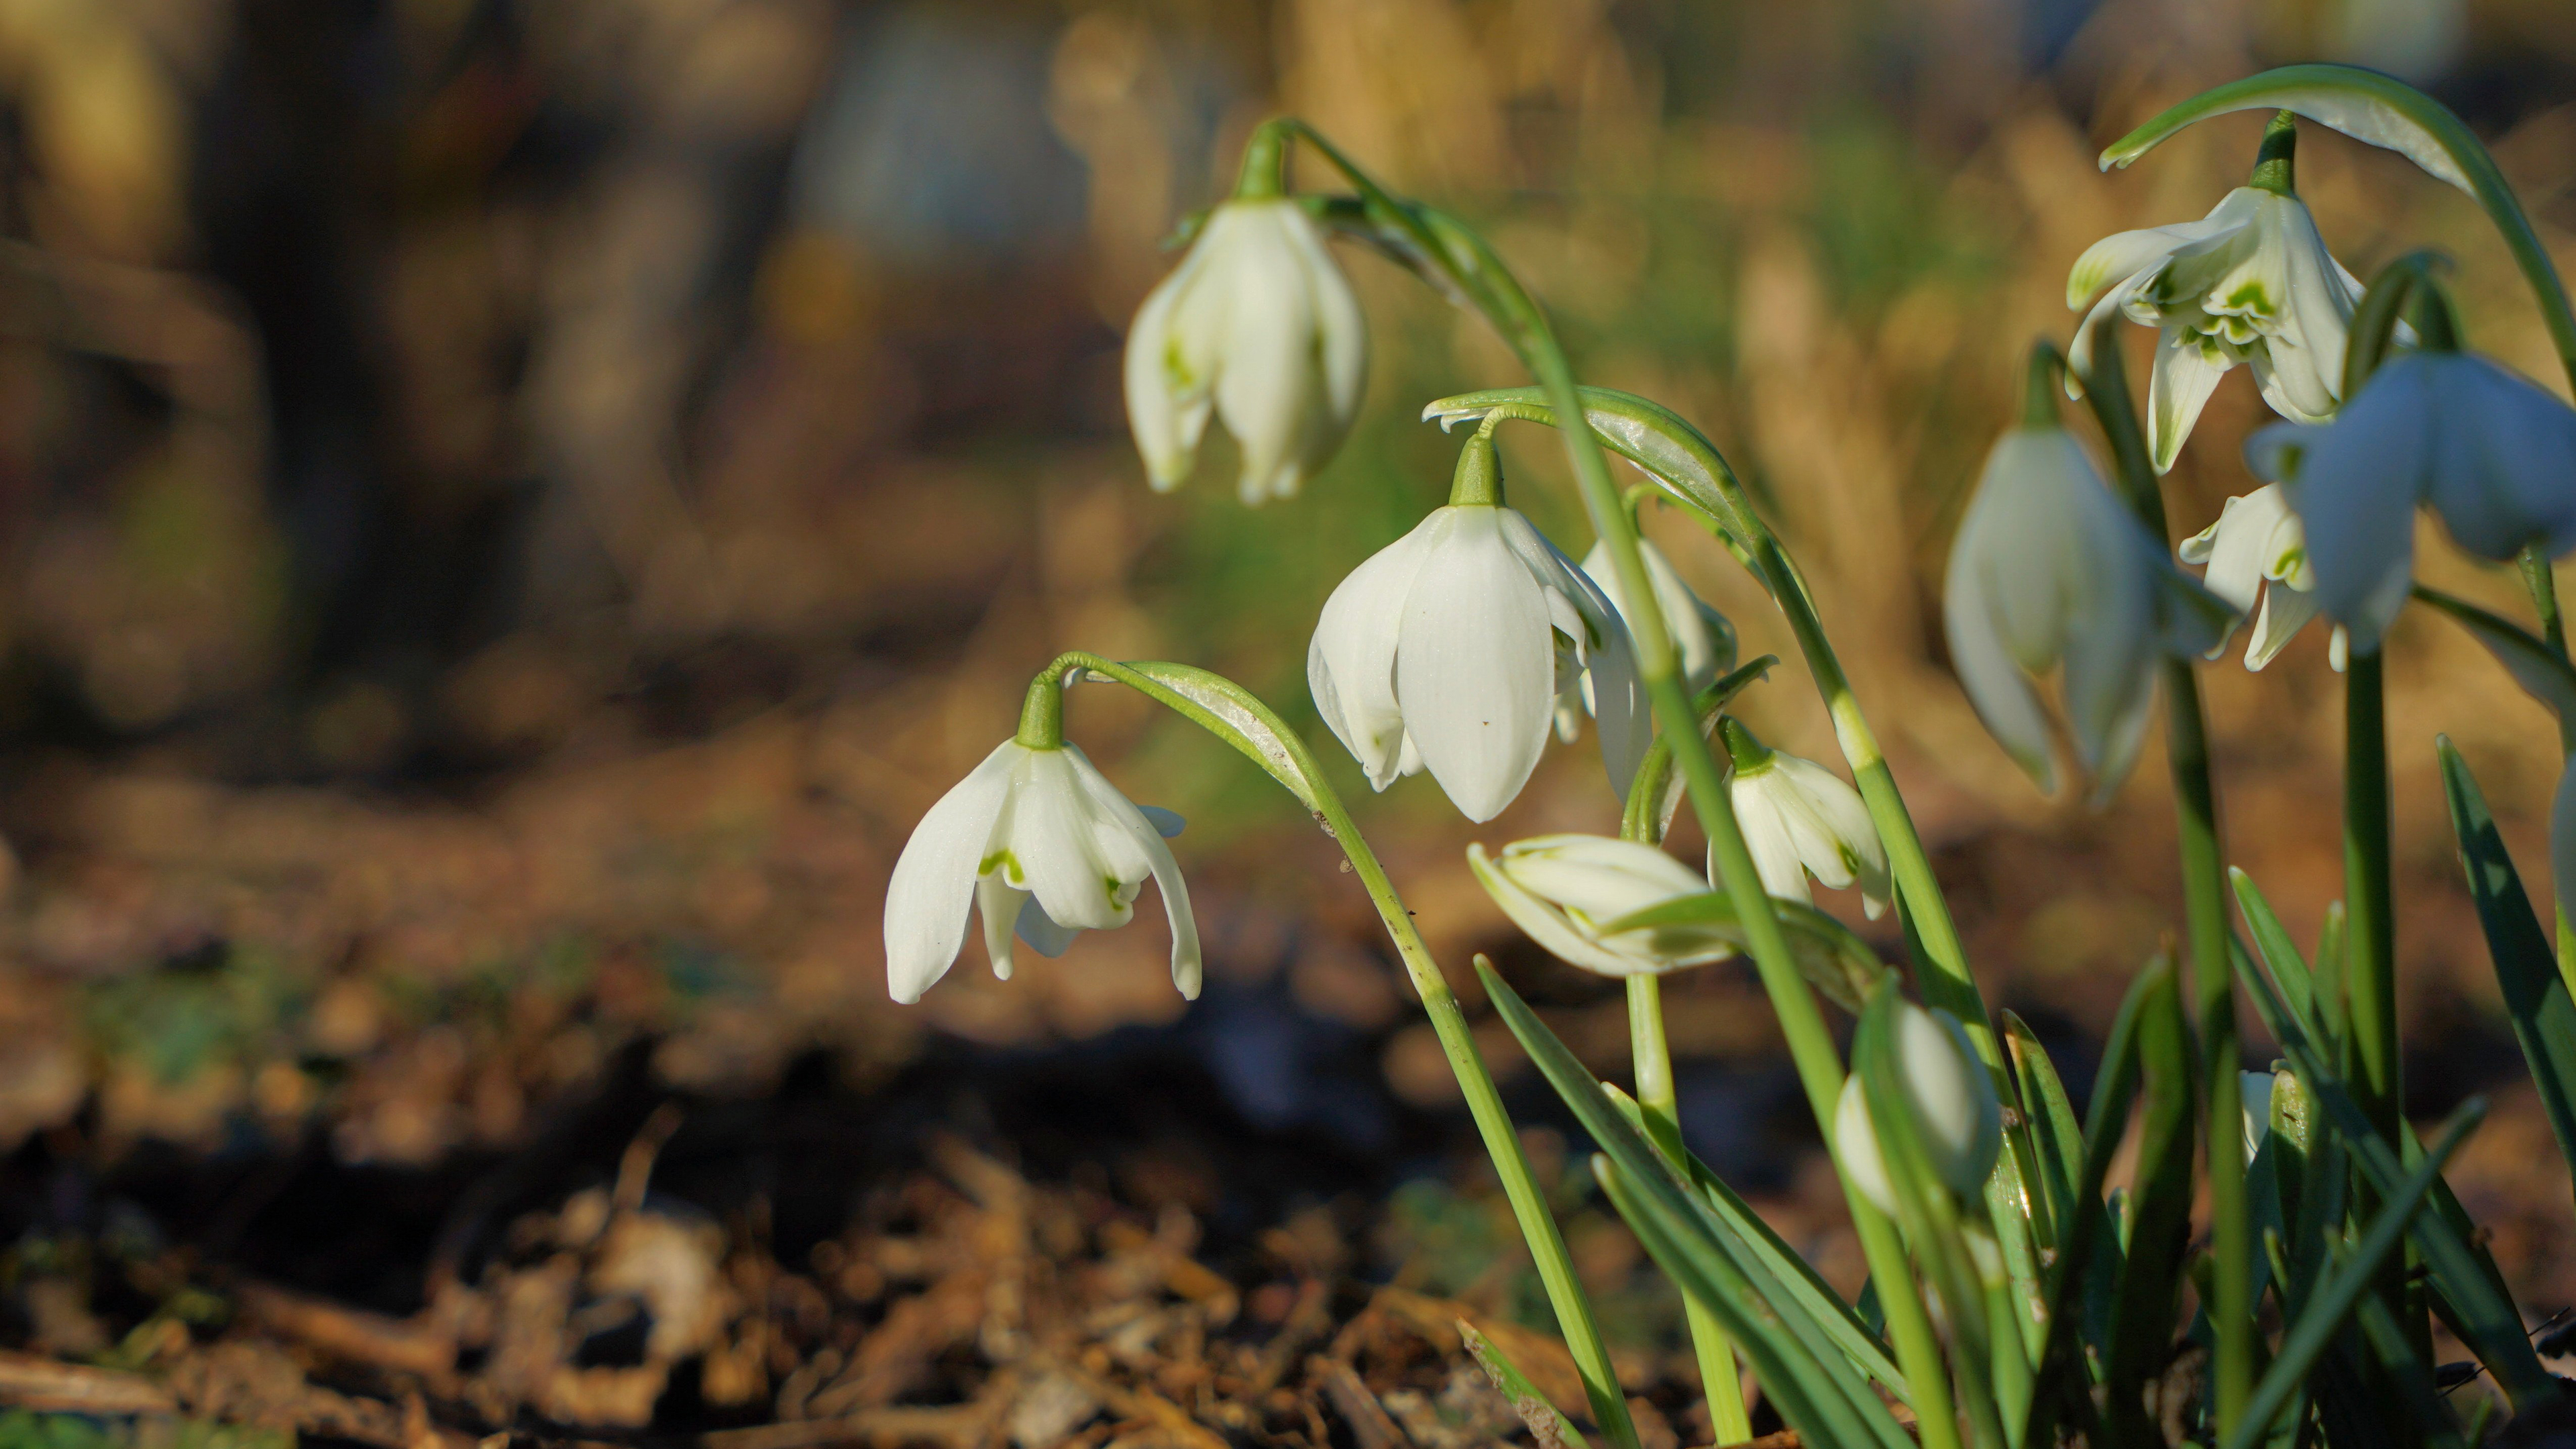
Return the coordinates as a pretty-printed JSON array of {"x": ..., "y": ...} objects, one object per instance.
[
  {"x": 1660, "y": 1108},
  {"x": 1480, "y": 275},
  {"x": 2542, "y": 583},
  {"x": 2369, "y": 966},
  {"x": 1042, "y": 712},
  {"x": 2234, "y": 1334},
  {"x": 1448, "y": 1021}
]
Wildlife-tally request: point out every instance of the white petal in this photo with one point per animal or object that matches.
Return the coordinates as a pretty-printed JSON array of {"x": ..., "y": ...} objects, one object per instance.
[
  {"x": 1142, "y": 834},
  {"x": 1350, "y": 666},
  {"x": 934, "y": 878},
  {"x": 2356, "y": 484},
  {"x": 1055, "y": 844},
  {"x": 1268, "y": 380},
  {"x": 2301, "y": 369},
  {"x": 1549, "y": 927},
  {"x": 2185, "y": 375},
  {"x": 2285, "y": 611},
  {"x": 1849, "y": 851},
  {"x": 1167, "y": 387},
  {"x": 1995, "y": 684},
  {"x": 1611, "y": 689},
  {"x": 1474, "y": 666},
  {"x": 1596, "y": 877},
  {"x": 2505, "y": 472},
  {"x": 1342, "y": 340},
  {"x": 2123, "y": 255},
  {"x": 1770, "y": 836}
]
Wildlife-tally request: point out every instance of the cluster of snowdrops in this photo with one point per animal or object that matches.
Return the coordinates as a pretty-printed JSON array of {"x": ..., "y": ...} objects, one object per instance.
[{"x": 2014, "y": 1301}]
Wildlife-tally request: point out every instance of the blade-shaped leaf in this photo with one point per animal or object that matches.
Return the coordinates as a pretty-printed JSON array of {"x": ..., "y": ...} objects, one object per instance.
[
  {"x": 2053, "y": 1127},
  {"x": 1834, "y": 960},
  {"x": 2544, "y": 1019},
  {"x": 2542, "y": 672},
  {"x": 2142, "y": 1315},
  {"x": 2280, "y": 956},
  {"x": 1223, "y": 708},
  {"x": 1797, "y": 1360},
  {"x": 2365, "y": 105},
  {"x": 2325, "y": 1311}
]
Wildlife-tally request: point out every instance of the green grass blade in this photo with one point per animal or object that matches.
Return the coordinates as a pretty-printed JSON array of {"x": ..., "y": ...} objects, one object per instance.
[
  {"x": 2324, "y": 1313},
  {"x": 1549, "y": 1428},
  {"x": 2280, "y": 956},
  {"x": 2526, "y": 963},
  {"x": 1796, "y": 1358},
  {"x": 2054, "y": 1130}
]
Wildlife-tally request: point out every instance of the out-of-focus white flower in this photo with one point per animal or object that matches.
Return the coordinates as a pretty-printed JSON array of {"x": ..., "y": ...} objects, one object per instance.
[
  {"x": 2049, "y": 567},
  {"x": 2254, "y": 1097},
  {"x": 1801, "y": 819},
  {"x": 1565, "y": 889},
  {"x": 1449, "y": 648},
  {"x": 1956, "y": 1114},
  {"x": 2258, "y": 555},
  {"x": 1260, "y": 325},
  {"x": 1701, "y": 635},
  {"x": 2492, "y": 453},
  {"x": 2251, "y": 282},
  {"x": 1040, "y": 842}
]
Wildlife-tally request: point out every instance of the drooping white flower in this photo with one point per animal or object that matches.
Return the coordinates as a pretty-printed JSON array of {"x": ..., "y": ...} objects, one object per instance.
[
  {"x": 1564, "y": 890},
  {"x": 1957, "y": 1116},
  {"x": 1701, "y": 635},
  {"x": 2492, "y": 453},
  {"x": 2050, "y": 568},
  {"x": 1801, "y": 819},
  {"x": 2251, "y": 282},
  {"x": 1447, "y": 651},
  {"x": 1040, "y": 843},
  {"x": 2257, "y": 555},
  {"x": 1259, "y": 325}
]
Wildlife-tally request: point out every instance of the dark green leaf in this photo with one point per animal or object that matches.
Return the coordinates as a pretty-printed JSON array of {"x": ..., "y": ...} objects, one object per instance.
[
  {"x": 1548, "y": 1428},
  {"x": 2289, "y": 969}
]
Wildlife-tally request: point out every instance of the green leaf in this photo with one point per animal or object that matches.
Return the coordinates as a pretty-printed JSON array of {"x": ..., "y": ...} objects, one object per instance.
[
  {"x": 2142, "y": 1314},
  {"x": 2289, "y": 969},
  {"x": 1800, "y": 1365},
  {"x": 1548, "y": 1428},
  {"x": 1857, "y": 1336},
  {"x": 2369, "y": 107},
  {"x": 2526, "y": 966},
  {"x": 2053, "y": 1127},
  {"x": 1834, "y": 960},
  {"x": 2539, "y": 669},
  {"x": 1223, "y": 708},
  {"x": 2325, "y": 1311}
]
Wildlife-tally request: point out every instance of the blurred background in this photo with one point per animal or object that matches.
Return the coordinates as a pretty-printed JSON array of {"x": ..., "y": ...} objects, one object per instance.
[{"x": 510, "y": 511}]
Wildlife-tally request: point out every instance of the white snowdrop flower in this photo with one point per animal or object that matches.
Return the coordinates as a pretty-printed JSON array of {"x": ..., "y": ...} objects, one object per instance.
[
  {"x": 1448, "y": 650},
  {"x": 1800, "y": 819},
  {"x": 1957, "y": 1116},
  {"x": 2492, "y": 453},
  {"x": 2251, "y": 282},
  {"x": 2257, "y": 558},
  {"x": 2050, "y": 568},
  {"x": 1042, "y": 844},
  {"x": 1701, "y": 635},
  {"x": 1565, "y": 891},
  {"x": 1259, "y": 325}
]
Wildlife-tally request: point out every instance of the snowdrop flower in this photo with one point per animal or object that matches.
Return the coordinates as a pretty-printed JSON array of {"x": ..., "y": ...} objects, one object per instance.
[
  {"x": 1449, "y": 649},
  {"x": 2492, "y": 453},
  {"x": 1043, "y": 845},
  {"x": 2258, "y": 555},
  {"x": 1260, "y": 325},
  {"x": 1800, "y": 819},
  {"x": 1701, "y": 635},
  {"x": 1956, "y": 1114},
  {"x": 1565, "y": 889},
  {"x": 2050, "y": 568},
  {"x": 2251, "y": 282}
]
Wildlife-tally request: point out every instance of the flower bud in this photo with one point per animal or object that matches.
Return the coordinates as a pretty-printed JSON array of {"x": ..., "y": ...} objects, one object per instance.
[
  {"x": 1564, "y": 889},
  {"x": 1957, "y": 1118}
]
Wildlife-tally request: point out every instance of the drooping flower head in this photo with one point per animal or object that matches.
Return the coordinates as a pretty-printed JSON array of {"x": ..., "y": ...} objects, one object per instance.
[
  {"x": 2490, "y": 452},
  {"x": 1040, "y": 844},
  {"x": 1566, "y": 891},
  {"x": 1449, "y": 648},
  {"x": 1957, "y": 1117},
  {"x": 2051, "y": 569},
  {"x": 2250, "y": 283},
  {"x": 1258, "y": 325},
  {"x": 2257, "y": 558},
  {"x": 1799, "y": 820}
]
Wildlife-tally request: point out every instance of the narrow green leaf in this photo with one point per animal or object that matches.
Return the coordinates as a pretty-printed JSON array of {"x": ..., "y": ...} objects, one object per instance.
[
  {"x": 2053, "y": 1126},
  {"x": 1798, "y": 1361},
  {"x": 2526, "y": 965},
  {"x": 2142, "y": 1316},
  {"x": 2369, "y": 107},
  {"x": 2542, "y": 672},
  {"x": 1858, "y": 1337},
  {"x": 2280, "y": 955},
  {"x": 1548, "y": 1428},
  {"x": 2325, "y": 1311}
]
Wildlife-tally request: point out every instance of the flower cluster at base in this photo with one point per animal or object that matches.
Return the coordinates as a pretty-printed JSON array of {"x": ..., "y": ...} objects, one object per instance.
[
  {"x": 1260, "y": 326},
  {"x": 1039, "y": 843},
  {"x": 1957, "y": 1116},
  {"x": 1451, "y": 648},
  {"x": 2491, "y": 453}
]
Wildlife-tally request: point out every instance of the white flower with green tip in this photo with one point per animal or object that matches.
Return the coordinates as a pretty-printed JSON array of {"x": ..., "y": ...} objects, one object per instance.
[
  {"x": 1800, "y": 819},
  {"x": 2493, "y": 454},
  {"x": 1564, "y": 890},
  {"x": 2250, "y": 283},
  {"x": 1259, "y": 326},
  {"x": 1448, "y": 650},
  {"x": 1957, "y": 1117},
  {"x": 1042, "y": 845},
  {"x": 2257, "y": 559}
]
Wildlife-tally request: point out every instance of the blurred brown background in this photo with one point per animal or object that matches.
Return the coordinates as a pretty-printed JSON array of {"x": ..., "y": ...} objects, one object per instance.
[{"x": 509, "y": 512}]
